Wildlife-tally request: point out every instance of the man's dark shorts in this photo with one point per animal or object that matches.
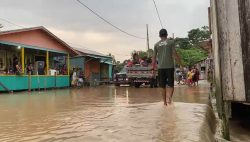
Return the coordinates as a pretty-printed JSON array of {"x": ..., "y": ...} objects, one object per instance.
[{"x": 166, "y": 77}]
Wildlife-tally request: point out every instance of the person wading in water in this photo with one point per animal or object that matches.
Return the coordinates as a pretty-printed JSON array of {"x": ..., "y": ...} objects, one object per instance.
[{"x": 164, "y": 52}]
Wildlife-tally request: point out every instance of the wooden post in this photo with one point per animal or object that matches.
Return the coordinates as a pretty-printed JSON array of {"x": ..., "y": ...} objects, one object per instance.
[
  {"x": 47, "y": 62},
  {"x": 227, "y": 32},
  {"x": 147, "y": 41},
  {"x": 29, "y": 82},
  {"x": 225, "y": 119},
  {"x": 68, "y": 64},
  {"x": 209, "y": 20},
  {"x": 245, "y": 42},
  {"x": 22, "y": 59},
  {"x": 55, "y": 79}
]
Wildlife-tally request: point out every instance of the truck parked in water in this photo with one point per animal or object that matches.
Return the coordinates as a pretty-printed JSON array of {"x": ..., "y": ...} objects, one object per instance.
[
  {"x": 137, "y": 72},
  {"x": 136, "y": 75}
]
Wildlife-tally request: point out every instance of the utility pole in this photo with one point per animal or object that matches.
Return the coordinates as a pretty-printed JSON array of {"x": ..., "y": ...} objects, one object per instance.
[{"x": 147, "y": 41}]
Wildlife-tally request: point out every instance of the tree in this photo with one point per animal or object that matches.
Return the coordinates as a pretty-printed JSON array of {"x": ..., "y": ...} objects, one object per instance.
[
  {"x": 189, "y": 48},
  {"x": 140, "y": 53},
  {"x": 183, "y": 43},
  {"x": 143, "y": 54},
  {"x": 192, "y": 55},
  {"x": 150, "y": 52},
  {"x": 119, "y": 66},
  {"x": 198, "y": 35}
]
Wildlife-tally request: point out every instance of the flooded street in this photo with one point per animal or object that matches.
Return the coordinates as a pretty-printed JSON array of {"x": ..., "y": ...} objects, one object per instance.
[
  {"x": 240, "y": 130},
  {"x": 106, "y": 113}
]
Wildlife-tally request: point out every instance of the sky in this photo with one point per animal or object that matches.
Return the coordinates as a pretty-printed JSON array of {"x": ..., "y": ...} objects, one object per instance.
[{"x": 78, "y": 27}]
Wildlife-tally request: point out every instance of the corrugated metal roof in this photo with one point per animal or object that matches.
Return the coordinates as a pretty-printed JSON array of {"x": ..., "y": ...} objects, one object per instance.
[
  {"x": 84, "y": 52},
  {"x": 93, "y": 54}
]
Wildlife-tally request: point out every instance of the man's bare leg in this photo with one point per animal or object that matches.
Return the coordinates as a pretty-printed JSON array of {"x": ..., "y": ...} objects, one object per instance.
[
  {"x": 169, "y": 94},
  {"x": 163, "y": 92}
]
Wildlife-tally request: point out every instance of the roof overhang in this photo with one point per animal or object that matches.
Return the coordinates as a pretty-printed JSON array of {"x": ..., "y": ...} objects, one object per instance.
[
  {"x": 31, "y": 47},
  {"x": 69, "y": 48},
  {"x": 103, "y": 59}
]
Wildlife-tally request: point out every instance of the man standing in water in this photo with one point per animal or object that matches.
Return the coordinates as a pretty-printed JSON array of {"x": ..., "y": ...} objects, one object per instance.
[{"x": 164, "y": 52}]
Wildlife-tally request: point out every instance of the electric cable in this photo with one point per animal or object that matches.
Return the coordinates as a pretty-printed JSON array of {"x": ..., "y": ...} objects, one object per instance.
[
  {"x": 11, "y": 22},
  {"x": 158, "y": 13},
  {"x": 99, "y": 16}
]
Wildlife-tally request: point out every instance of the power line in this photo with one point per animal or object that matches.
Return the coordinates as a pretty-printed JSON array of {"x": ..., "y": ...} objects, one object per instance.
[
  {"x": 99, "y": 16},
  {"x": 158, "y": 13},
  {"x": 11, "y": 22},
  {"x": 79, "y": 45}
]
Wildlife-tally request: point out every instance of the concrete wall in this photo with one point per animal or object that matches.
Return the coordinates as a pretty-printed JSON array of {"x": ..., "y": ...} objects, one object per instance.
[{"x": 92, "y": 69}]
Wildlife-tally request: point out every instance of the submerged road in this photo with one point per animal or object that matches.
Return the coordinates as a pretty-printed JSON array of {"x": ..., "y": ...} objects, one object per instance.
[{"x": 107, "y": 113}]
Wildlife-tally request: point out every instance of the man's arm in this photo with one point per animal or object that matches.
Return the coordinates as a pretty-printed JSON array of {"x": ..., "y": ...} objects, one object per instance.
[
  {"x": 177, "y": 57},
  {"x": 153, "y": 62},
  {"x": 154, "y": 59}
]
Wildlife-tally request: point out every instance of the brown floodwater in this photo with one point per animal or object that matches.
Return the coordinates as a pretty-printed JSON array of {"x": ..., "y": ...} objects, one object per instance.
[
  {"x": 107, "y": 113},
  {"x": 240, "y": 130}
]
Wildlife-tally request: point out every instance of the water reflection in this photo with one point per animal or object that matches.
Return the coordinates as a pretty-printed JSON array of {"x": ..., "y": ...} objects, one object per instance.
[{"x": 104, "y": 113}]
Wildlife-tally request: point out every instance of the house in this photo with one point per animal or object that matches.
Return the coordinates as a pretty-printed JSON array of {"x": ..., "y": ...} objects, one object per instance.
[
  {"x": 33, "y": 58},
  {"x": 95, "y": 66}
]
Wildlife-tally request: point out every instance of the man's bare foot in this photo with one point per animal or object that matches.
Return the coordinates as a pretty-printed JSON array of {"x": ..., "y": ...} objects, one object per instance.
[
  {"x": 165, "y": 103},
  {"x": 168, "y": 102}
]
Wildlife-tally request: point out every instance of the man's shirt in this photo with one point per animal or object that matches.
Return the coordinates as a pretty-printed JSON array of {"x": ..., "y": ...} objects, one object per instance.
[{"x": 163, "y": 51}]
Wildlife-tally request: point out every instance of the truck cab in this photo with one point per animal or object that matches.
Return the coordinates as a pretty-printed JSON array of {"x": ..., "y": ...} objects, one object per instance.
[{"x": 121, "y": 78}]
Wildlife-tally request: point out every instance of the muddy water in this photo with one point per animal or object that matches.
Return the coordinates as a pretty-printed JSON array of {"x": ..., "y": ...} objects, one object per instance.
[
  {"x": 240, "y": 130},
  {"x": 106, "y": 113}
]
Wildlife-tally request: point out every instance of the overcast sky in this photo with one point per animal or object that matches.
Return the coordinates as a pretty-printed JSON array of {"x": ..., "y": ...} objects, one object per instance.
[{"x": 76, "y": 25}]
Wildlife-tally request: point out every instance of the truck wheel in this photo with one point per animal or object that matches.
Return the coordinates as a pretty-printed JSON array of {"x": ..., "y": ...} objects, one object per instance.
[
  {"x": 152, "y": 82},
  {"x": 155, "y": 83}
]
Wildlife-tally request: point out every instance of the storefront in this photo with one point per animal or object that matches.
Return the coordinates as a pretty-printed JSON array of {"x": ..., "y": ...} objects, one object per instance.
[
  {"x": 106, "y": 68},
  {"x": 33, "y": 58},
  {"x": 94, "y": 65}
]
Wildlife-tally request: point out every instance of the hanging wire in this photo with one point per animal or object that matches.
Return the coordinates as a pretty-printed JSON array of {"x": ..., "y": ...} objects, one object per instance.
[
  {"x": 99, "y": 16},
  {"x": 158, "y": 13},
  {"x": 11, "y": 22}
]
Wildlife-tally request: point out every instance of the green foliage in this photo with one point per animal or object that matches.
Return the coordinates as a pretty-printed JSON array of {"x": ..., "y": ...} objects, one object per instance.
[
  {"x": 143, "y": 54},
  {"x": 192, "y": 55},
  {"x": 188, "y": 48},
  {"x": 198, "y": 35},
  {"x": 140, "y": 53},
  {"x": 150, "y": 52},
  {"x": 183, "y": 43},
  {"x": 118, "y": 66}
]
